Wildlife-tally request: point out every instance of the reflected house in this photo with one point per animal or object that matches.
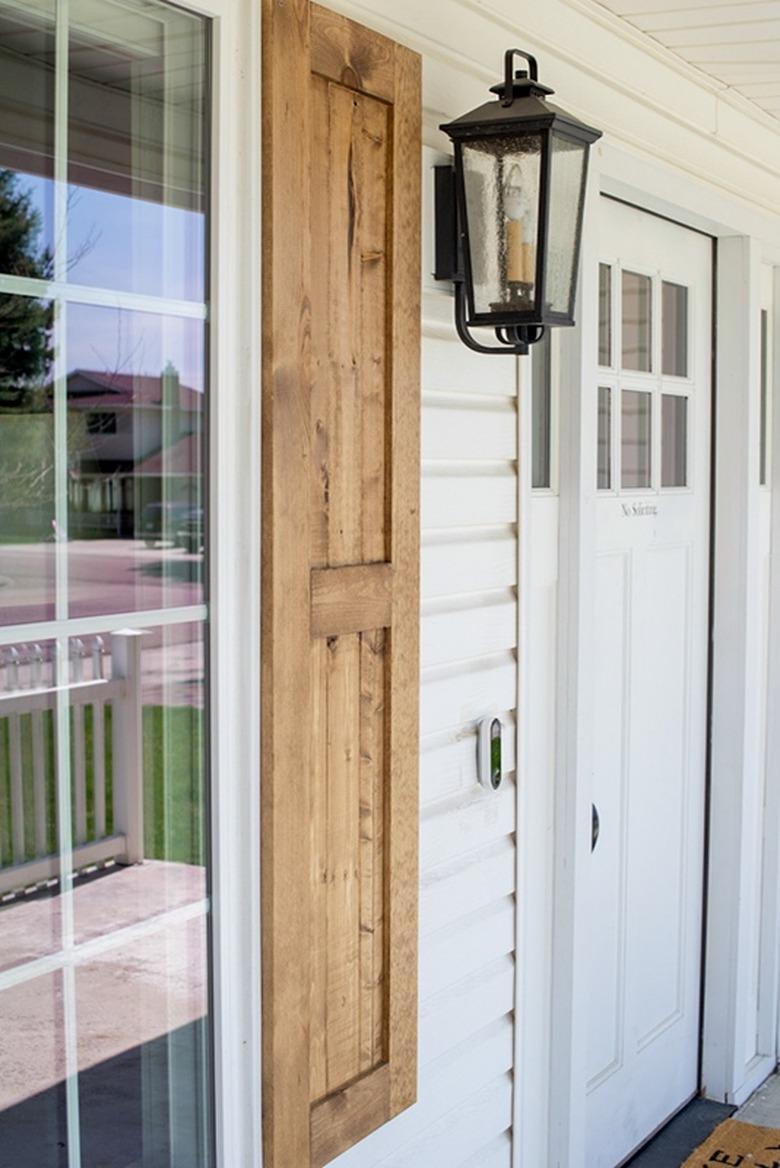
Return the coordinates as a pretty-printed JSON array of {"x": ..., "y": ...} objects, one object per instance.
[{"x": 139, "y": 445}]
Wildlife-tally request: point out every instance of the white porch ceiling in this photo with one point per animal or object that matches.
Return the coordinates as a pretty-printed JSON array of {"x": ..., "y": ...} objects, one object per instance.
[{"x": 736, "y": 43}]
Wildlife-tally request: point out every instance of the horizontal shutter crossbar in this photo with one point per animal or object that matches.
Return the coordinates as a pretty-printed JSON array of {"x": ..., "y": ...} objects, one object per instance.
[{"x": 353, "y": 599}]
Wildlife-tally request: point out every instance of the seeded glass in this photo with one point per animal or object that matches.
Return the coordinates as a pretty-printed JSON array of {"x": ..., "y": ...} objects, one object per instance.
[
  {"x": 674, "y": 440},
  {"x": 105, "y": 1057},
  {"x": 501, "y": 178},
  {"x": 604, "y": 439},
  {"x": 635, "y": 440},
  {"x": 567, "y": 174},
  {"x": 674, "y": 304},
  {"x": 605, "y": 315},
  {"x": 637, "y": 322}
]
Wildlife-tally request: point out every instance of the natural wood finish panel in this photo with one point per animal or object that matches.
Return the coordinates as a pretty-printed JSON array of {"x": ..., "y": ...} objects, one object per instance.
[
  {"x": 349, "y": 1115},
  {"x": 373, "y": 873},
  {"x": 341, "y": 286},
  {"x": 351, "y": 600},
  {"x": 348, "y": 1004},
  {"x": 285, "y": 582},
  {"x": 349, "y": 239},
  {"x": 403, "y": 716},
  {"x": 352, "y": 55}
]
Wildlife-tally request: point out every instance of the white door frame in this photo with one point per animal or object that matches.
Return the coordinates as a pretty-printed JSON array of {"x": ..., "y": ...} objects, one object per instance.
[
  {"x": 735, "y": 417},
  {"x": 234, "y": 583}
]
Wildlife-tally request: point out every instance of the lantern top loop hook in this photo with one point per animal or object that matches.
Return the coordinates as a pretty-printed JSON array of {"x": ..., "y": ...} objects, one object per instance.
[{"x": 509, "y": 76}]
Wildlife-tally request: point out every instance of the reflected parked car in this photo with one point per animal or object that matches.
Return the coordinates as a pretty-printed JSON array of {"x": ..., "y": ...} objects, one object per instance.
[
  {"x": 189, "y": 534},
  {"x": 160, "y": 521}
]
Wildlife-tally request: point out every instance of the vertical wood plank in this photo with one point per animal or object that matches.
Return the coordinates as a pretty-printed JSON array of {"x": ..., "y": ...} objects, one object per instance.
[
  {"x": 343, "y": 885},
  {"x": 373, "y": 185},
  {"x": 320, "y": 869},
  {"x": 372, "y": 867},
  {"x": 403, "y": 721},
  {"x": 286, "y": 707}
]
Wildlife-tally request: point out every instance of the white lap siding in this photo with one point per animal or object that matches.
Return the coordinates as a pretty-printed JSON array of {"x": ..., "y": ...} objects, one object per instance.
[{"x": 468, "y": 657}]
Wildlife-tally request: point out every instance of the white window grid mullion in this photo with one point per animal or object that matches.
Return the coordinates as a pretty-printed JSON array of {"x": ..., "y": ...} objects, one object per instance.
[
  {"x": 78, "y": 626},
  {"x": 62, "y": 709},
  {"x": 95, "y": 947},
  {"x": 59, "y": 289}
]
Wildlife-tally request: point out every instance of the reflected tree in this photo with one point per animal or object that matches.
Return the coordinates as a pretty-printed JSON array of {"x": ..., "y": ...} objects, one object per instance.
[{"x": 25, "y": 323}]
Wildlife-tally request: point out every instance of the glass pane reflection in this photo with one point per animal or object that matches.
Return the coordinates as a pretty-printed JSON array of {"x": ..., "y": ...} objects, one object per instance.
[
  {"x": 27, "y": 484},
  {"x": 604, "y": 440},
  {"x": 33, "y": 1125},
  {"x": 26, "y": 139},
  {"x": 637, "y": 322},
  {"x": 636, "y": 440},
  {"x": 674, "y": 441},
  {"x": 136, "y": 157},
  {"x": 135, "y": 432},
  {"x": 674, "y": 298}
]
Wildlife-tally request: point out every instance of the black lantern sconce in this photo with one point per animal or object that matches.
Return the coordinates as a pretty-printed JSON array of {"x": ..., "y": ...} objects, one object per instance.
[{"x": 509, "y": 212}]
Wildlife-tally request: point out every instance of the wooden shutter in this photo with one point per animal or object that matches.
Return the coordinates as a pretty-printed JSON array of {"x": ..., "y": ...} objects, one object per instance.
[{"x": 341, "y": 319}]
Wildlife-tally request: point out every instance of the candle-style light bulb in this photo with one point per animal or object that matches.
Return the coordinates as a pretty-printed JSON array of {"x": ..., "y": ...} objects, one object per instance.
[{"x": 520, "y": 250}]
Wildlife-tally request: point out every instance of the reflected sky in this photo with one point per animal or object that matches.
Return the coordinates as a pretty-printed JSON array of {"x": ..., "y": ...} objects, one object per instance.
[{"x": 124, "y": 243}]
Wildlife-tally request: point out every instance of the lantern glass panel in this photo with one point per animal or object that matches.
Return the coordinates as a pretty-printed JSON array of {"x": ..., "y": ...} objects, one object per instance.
[
  {"x": 501, "y": 182},
  {"x": 567, "y": 173}
]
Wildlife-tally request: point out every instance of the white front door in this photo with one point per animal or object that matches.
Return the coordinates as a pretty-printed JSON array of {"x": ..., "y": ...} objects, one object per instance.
[{"x": 649, "y": 676}]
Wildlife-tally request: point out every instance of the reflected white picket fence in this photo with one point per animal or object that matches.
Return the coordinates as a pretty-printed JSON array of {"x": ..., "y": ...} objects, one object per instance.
[{"x": 106, "y": 787}]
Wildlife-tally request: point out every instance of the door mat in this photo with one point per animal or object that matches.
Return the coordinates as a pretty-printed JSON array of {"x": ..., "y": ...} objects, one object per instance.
[{"x": 738, "y": 1145}]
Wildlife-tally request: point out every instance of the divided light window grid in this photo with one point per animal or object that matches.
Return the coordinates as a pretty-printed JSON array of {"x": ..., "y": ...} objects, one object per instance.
[{"x": 104, "y": 885}]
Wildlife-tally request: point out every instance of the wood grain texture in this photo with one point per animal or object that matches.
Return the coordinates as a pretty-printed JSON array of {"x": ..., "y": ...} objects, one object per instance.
[
  {"x": 285, "y": 760},
  {"x": 355, "y": 57},
  {"x": 340, "y": 581},
  {"x": 349, "y": 402},
  {"x": 351, "y": 600},
  {"x": 349, "y": 1115},
  {"x": 403, "y": 720}
]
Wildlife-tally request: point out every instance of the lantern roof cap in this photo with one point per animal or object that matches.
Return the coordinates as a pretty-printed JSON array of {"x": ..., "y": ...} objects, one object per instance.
[{"x": 521, "y": 105}]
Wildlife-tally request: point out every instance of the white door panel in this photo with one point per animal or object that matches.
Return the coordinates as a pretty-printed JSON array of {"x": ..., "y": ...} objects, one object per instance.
[{"x": 650, "y": 679}]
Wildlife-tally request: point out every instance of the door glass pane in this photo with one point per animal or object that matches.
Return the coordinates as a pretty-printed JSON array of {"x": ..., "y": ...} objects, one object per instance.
[
  {"x": 637, "y": 322},
  {"x": 27, "y": 502},
  {"x": 635, "y": 439},
  {"x": 605, "y": 314},
  {"x": 674, "y": 300},
  {"x": 136, "y": 163},
  {"x": 105, "y": 1060},
  {"x": 764, "y": 432},
  {"x": 26, "y": 138},
  {"x": 542, "y": 413},
  {"x": 674, "y": 441},
  {"x": 604, "y": 454},
  {"x": 33, "y": 1111},
  {"x": 28, "y": 803},
  {"x": 136, "y": 394}
]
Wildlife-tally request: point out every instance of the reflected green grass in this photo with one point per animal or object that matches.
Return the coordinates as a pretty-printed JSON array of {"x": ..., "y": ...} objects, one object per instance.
[{"x": 174, "y": 815}]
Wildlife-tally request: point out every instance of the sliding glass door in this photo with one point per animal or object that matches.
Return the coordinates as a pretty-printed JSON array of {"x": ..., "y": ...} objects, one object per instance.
[{"x": 104, "y": 851}]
